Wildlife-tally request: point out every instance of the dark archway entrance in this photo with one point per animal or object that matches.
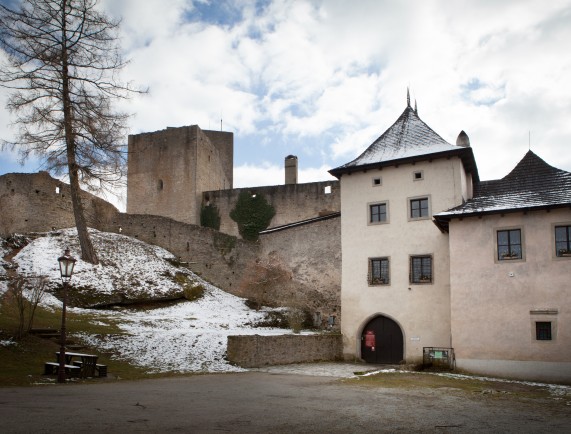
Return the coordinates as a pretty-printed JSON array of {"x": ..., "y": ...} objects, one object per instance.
[{"x": 382, "y": 341}]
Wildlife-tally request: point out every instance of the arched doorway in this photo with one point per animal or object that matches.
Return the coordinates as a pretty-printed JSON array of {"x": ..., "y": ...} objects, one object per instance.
[{"x": 382, "y": 341}]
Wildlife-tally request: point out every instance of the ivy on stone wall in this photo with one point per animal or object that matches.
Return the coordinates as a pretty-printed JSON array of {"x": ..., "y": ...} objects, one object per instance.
[
  {"x": 253, "y": 214},
  {"x": 210, "y": 217}
]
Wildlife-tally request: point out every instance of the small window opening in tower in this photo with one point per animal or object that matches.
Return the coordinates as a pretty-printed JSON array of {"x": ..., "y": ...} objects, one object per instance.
[
  {"x": 160, "y": 184},
  {"x": 57, "y": 190},
  {"x": 327, "y": 189}
]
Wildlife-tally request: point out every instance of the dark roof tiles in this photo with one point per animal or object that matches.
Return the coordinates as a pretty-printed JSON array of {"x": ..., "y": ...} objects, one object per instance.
[
  {"x": 408, "y": 138},
  {"x": 531, "y": 184}
]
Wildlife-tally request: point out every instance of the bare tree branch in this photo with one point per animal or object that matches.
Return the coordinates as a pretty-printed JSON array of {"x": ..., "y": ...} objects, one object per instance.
[{"x": 62, "y": 64}]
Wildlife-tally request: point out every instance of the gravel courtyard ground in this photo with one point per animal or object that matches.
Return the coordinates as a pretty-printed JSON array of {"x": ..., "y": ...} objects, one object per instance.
[{"x": 296, "y": 399}]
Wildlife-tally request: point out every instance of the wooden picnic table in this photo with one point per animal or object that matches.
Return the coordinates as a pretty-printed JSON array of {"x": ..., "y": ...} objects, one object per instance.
[{"x": 88, "y": 362}]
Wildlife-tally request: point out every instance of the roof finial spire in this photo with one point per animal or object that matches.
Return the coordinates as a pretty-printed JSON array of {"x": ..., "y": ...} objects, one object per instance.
[
  {"x": 415, "y": 108},
  {"x": 407, "y": 97}
]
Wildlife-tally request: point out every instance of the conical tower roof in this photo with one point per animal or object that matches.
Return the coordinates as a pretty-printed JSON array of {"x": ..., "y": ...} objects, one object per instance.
[{"x": 408, "y": 139}]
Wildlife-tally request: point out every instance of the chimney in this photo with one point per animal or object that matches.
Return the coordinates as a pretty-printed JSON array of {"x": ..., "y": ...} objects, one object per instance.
[
  {"x": 291, "y": 169},
  {"x": 463, "y": 140}
]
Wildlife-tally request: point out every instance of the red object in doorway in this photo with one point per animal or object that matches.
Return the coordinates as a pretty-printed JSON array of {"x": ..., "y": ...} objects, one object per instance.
[{"x": 370, "y": 340}]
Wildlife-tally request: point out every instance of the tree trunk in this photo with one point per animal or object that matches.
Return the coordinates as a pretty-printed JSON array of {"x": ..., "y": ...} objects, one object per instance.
[{"x": 88, "y": 253}]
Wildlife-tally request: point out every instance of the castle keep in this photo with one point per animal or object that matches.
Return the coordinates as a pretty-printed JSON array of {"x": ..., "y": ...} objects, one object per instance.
[{"x": 169, "y": 170}]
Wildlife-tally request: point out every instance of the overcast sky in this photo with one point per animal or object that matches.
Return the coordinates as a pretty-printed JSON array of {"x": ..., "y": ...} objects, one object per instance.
[{"x": 323, "y": 79}]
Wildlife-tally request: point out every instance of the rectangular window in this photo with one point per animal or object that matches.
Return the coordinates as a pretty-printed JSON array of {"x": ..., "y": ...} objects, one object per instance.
[
  {"x": 377, "y": 182},
  {"x": 509, "y": 244},
  {"x": 379, "y": 271},
  {"x": 421, "y": 269},
  {"x": 378, "y": 213},
  {"x": 543, "y": 330},
  {"x": 419, "y": 208},
  {"x": 563, "y": 241}
]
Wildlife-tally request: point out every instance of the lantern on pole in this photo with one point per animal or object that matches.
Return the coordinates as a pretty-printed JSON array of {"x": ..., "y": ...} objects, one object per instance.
[{"x": 66, "y": 264}]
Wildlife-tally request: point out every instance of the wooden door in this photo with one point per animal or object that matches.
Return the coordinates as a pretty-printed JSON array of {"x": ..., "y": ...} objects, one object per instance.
[{"x": 388, "y": 341}]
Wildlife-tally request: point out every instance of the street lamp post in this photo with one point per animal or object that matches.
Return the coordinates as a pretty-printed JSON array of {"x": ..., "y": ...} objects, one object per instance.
[{"x": 66, "y": 264}]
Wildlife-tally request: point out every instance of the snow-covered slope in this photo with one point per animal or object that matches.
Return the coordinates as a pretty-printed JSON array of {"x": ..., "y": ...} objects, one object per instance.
[{"x": 186, "y": 337}]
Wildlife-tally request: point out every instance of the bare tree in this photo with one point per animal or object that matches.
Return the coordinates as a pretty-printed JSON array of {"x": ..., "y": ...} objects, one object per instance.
[
  {"x": 27, "y": 294},
  {"x": 62, "y": 64}
]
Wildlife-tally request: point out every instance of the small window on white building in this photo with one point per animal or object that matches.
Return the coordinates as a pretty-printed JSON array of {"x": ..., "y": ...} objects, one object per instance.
[
  {"x": 379, "y": 271},
  {"x": 377, "y": 182},
  {"x": 418, "y": 208},
  {"x": 378, "y": 213},
  {"x": 421, "y": 269},
  {"x": 543, "y": 331},
  {"x": 509, "y": 244},
  {"x": 418, "y": 175},
  {"x": 563, "y": 241}
]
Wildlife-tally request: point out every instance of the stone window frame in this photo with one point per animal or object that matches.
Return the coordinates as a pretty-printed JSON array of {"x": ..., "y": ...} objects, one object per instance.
[
  {"x": 418, "y": 175},
  {"x": 543, "y": 316},
  {"x": 410, "y": 200},
  {"x": 369, "y": 214},
  {"x": 377, "y": 181}
]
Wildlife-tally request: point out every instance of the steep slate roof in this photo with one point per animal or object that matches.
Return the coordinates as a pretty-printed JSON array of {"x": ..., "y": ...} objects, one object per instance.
[
  {"x": 408, "y": 140},
  {"x": 532, "y": 184}
]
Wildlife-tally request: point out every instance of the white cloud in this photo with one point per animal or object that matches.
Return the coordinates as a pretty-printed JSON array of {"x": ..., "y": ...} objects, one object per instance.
[
  {"x": 248, "y": 175},
  {"x": 328, "y": 77}
]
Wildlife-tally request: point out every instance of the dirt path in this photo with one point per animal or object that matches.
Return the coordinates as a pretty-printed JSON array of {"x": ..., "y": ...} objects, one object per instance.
[{"x": 261, "y": 402}]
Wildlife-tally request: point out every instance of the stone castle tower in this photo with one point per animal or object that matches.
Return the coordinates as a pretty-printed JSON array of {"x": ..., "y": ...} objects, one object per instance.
[{"x": 169, "y": 169}]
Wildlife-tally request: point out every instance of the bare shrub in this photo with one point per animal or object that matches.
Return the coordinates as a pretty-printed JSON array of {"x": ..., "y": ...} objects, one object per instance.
[{"x": 27, "y": 294}]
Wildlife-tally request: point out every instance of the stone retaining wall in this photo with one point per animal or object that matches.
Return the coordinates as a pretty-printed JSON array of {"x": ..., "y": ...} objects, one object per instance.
[{"x": 256, "y": 351}]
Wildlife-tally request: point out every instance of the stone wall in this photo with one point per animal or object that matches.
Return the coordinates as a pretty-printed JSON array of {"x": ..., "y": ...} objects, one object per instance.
[
  {"x": 36, "y": 202},
  {"x": 168, "y": 170},
  {"x": 303, "y": 260},
  {"x": 292, "y": 202},
  {"x": 221, "y": 259},
  {"x": 309, "y": 255},
  {"x": 257, "y": 351}
]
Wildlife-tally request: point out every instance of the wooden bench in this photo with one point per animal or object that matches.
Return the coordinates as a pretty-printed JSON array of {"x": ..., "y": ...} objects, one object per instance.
[
  {"x": 101, "y": 370},
  {"x": 52, "y": 368}
]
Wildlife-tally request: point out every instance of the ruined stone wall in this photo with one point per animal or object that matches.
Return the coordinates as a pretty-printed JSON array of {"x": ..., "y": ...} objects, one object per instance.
[
  {"x": 168, "y": 170},
  {"x": 292, "y": 202},
  {"x": 36, "y": 202},
  {"x": 258, "y": 351}
]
